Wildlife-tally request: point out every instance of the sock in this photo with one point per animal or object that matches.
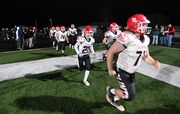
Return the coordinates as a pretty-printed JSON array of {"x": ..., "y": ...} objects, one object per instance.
[
  {"x": 86, "y": 75},
  {"x": 116, "y": 98},
  {"x": 112, "y": 91}
]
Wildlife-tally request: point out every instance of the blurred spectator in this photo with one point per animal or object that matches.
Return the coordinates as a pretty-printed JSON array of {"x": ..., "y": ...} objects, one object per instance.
[
  {"x": 34, "y": 35},
  {"x": 7, "y": 34},
  {"x": 169, "y": 33},
  {"x": 162, "y": 35},
  {"x": 4, "y": 33},
  {"x": 13, "y": 31},
  {"x": 155, "y": 32},
  {"x": 31, "y": 36},
  {"x": 28, "y": 37},
  {"x": 19, "y": 37}
]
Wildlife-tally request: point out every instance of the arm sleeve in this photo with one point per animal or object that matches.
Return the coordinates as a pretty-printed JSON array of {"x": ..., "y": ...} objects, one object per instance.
[
  {"x": 92, "y": 49},
  {"x": 76, "y": 47}
]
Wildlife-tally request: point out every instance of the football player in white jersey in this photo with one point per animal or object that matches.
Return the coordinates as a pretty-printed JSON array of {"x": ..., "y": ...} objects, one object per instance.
[
  {"x": 83, "y": 48},
  {"x": 110, "y": 36},
  {"x": 52, "y": 33},
  {"x": 62, "y": 38},
  {"x": 131, "y": 47},
  {"x": 72, "y": 34}
]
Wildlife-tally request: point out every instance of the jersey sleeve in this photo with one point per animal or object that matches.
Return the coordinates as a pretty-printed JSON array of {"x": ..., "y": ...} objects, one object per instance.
[
  {"x": 92, "y": 41},
  {"x": 106, "y": 34},
  {"x": 146, "y": 40},
  {"x": 68, "y": 31},
  {"x": 77, "y": 44}
]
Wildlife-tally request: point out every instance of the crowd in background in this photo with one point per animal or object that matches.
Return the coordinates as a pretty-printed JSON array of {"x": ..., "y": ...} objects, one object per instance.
[
  {"x": 24, "y": 36},
  {"x": 162, "y": 35}
]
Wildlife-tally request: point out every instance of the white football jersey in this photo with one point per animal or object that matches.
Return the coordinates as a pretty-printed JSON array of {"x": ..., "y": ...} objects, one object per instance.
[
  {"x": 130, "y": 58},
  {"x": 83, "y": 32},
  {"x": 84, "y": 46},
  {"x": 111, "y": 37},
  {"x": 72, "y": 31},
  {"x": 52, "y": 32},
  {"x": 62, "y": 35}
]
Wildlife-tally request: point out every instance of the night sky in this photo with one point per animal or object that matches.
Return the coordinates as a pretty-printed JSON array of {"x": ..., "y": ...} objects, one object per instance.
[{"x": 83, "y": 12}]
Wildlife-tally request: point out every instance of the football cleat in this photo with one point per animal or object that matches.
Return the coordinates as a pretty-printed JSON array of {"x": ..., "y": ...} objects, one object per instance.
[
  {"x": 110, "y": 99},
  {"x": 86, "y": 83},
  {"x": 109, "y": 95}
]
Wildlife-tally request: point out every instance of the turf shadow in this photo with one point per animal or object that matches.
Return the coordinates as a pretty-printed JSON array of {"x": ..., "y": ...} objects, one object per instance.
[{"x": 67, "y": 105}]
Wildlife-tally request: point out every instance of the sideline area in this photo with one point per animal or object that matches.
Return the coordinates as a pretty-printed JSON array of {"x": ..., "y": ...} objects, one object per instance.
[{"x": 168, "y": 74}]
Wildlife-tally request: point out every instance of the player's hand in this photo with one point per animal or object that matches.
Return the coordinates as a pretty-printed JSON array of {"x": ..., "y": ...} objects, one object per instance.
[
  {"x": 80, "y": 55},
  {"x": 157, "y": 65},
  {"x": 112, "y": 72}
]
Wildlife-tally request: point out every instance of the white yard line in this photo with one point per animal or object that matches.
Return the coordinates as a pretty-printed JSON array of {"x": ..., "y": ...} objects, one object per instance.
[{"x": 169, "y": 74}]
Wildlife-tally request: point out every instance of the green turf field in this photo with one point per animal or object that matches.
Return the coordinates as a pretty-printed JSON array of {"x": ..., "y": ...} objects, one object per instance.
[{"x": 62, "y": 91}]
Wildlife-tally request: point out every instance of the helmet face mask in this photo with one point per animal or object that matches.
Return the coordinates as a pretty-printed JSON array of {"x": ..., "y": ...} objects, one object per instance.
[
  {"x": 72, "y": 25},
  {"x": 57, "y": 28},
  {"x": 143, "y": 28},
  {"x": 88, "y": 32},
  {"x": 114, "y": 27},
  {"x": 62, "y": 28}
]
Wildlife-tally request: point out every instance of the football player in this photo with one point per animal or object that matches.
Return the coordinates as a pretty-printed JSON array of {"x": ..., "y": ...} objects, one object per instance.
[
  {"x": 131, "y": 47},
  {"x": 72, "y": 34},
  {"x": 110, "y": 36},
  {"x": 62, "y": 38},
  {"x": 83, "y": 48},
  {"x": 52, "y": 33}
]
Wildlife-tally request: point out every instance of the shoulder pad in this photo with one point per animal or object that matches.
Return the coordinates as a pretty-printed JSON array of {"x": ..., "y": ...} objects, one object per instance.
[
  {"x": 80, "y": 39},
  {"x": 92, "y": 40},
  {"x": 125, "y": 37},
  {"x": 106, "y": 34}
]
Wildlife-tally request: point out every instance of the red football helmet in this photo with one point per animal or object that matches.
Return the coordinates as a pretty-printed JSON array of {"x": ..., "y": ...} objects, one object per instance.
[
  {"x": 138, "y": 23},
  {"x": 113, "y": 27},
  {"x": 57, "y": 27},
  {"x": 88, "y": 32},
  {"x": 62, "y": 28},
  {"x": 53, "y": 27},
  {"x": 72, "y": 25}
]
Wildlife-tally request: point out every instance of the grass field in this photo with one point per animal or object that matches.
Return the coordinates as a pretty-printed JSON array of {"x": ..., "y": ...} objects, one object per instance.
[{"x": 62, "y": 91}]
